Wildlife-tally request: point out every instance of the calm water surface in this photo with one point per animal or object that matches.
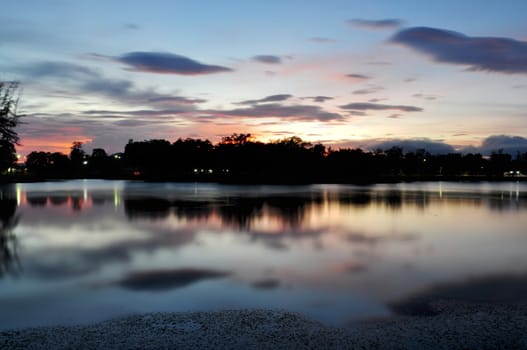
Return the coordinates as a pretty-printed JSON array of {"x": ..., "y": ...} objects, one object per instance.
[{"x": 84, "y": 251}]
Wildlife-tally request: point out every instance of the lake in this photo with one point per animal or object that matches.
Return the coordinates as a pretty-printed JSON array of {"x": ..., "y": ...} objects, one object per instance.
[{"x": 76, "y": 252}]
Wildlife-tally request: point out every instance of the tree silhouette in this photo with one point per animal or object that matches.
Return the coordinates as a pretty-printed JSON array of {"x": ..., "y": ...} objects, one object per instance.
[
  {"x": 9, "y": 119},
  {"x": 500, "y": 162},
  {"x": 151, "y": 158},
  {"x": 239, "y": 158},
  {"x": 237, "y": 139},
  {"x": 77, "y": 154},
  {"x": 7, "y": 155},
  {"x": 8, "y": 241},
  {"x": 77, "y": 158}
]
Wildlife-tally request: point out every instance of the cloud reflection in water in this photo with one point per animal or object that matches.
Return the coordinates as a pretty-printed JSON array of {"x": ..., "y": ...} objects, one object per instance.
[
  {"x": 263, "y": 246},
  {"x": 159, "y": 280}
]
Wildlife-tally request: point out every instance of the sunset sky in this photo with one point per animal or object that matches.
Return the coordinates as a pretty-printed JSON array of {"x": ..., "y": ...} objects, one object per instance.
[{"x": 353, "y": 73}]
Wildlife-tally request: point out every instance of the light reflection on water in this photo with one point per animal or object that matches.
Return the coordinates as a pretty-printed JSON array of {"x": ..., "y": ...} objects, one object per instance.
[{"x": 82, "y": 251}]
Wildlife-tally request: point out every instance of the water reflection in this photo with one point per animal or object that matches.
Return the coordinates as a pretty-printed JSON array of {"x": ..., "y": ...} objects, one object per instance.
[
  {"x": 158, "y": 280},
  {"x": 334, "y": 252},
  {"x": 503, "y": 289},
  {"x": 151, "y": 208},
  {"x": 239, "y": 212},
  {"x": 8, "y": 241},
  {"x": 239, "y": 208}
]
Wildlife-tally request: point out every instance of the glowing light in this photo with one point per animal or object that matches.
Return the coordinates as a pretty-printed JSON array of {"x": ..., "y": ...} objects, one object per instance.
[
  {"x": 116, "y": 197},
  {"x": 18, "y": 190},
  {"x": 85, "y": 194}
]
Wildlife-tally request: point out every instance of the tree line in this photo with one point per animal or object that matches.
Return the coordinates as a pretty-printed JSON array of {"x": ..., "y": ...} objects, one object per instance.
[{"x": 240, "y": 158}]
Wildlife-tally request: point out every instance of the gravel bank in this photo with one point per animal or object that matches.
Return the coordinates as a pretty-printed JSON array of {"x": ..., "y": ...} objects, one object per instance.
[{"x": 455, "y": 327}]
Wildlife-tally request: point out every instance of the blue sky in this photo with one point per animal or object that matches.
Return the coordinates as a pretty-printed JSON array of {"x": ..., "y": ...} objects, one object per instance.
[{"x": 346, "y": 73}]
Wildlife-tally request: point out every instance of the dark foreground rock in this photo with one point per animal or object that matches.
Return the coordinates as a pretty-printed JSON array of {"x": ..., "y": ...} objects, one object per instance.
[{"x": 455, "y": 327}]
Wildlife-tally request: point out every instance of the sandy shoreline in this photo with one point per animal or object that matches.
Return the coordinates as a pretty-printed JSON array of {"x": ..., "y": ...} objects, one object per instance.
[{"x": 455, "y": 327}]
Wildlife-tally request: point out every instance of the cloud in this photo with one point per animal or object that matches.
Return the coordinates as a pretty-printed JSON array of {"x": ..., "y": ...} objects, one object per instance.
[
  {"x": 276, "y": 110},
  {"x": 491, "y": 54},
  {"x": 167, "y": 63},
  {"x": 100, "y": 128},
  {"x": 495, "y": 143},
  {"x": 390, "y": 23},
  {"x": 75, "y": 78},
  {"x": 425, "y": 97},
  {"x": 358, "y": 113},
  {"x": 86, "y": 84},
  {"x": 358, "y": 76},
  {"x": 132, "y": 26},
  {"x": 131, "y": 122},
  {"x": 141, "y": 112},
  {"x": 375, "y": 100},
  {"x": 108, "y": 87},
  {"x": 378, "y": 63},
  {"x": 366, "y": 106},
  {"x": 408, "y": 145},
  {"x": 268, "y": 59},
  {"x": 126, "y": 92},
  {"x": 318, "y": 98},
  {"x": 412, "y": 145},
  {"x": 58, "y": 70},
  {"x": 272, "y": 98},
  {"x": 369, "y": 90},
  {"x": 177, "y": 100}
]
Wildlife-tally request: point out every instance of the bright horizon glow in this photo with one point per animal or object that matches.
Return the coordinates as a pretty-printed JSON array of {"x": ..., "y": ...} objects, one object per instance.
[{"x": 347, "y": 74}]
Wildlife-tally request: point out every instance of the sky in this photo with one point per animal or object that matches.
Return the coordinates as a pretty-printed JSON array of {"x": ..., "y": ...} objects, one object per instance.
[{"x": 445, "y": 75}]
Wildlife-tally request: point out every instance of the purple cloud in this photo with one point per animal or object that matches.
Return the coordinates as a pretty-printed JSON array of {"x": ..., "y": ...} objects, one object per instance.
[
  {"x": 318, "y": 98},
  {"x": 78, "y": 80},
  {"x": 276, "y": 110},
  {"x": 272, "y": 98},
  {"x": 140, "y": 112},
  {"x": 369, "y": 90},
  {"x": 366, "y": 106},
  {"x": 479, "y": 53},
  {"x": 177, "y": 100},
  {"x": 495, "y": 143},
  {"x": 268, "y": 59},
  {"x": 358, "y": 76},
  {"x": 167, "y": 63},
  {"x": 390, "y": 23}
]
